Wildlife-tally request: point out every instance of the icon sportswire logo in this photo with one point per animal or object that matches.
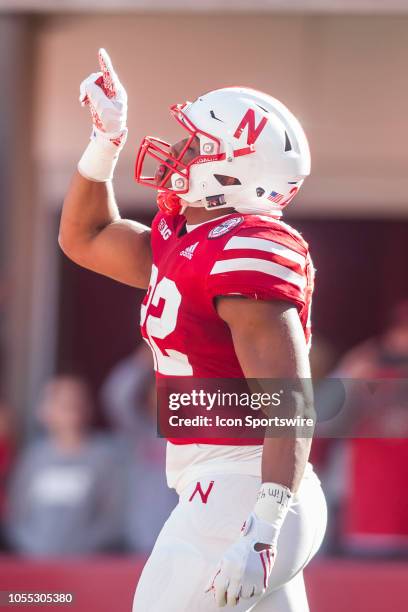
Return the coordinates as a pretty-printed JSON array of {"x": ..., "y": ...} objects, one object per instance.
[{"x": 189, "y": 251}]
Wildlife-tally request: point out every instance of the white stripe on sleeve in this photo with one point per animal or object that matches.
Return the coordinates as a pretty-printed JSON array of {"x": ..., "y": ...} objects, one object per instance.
[
  {"x": 259, "y": 265},
  {"x": 261, "y": 244}
]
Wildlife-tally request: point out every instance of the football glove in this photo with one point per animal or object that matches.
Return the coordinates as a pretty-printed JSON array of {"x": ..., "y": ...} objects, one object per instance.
[
  {"x": 246, "y": 566},
  {"x": 106, "y": 98}
]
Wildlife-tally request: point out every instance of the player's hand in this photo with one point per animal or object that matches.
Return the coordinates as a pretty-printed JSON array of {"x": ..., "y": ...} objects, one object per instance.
[
  {"x": 244, "y": 572},
  {"x": 106, "y": 97},
  {"x": 107, "y": 100}
]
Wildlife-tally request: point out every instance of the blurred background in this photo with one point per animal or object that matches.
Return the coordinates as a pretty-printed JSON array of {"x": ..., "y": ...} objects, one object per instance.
[{"x": 79, "y": 459}]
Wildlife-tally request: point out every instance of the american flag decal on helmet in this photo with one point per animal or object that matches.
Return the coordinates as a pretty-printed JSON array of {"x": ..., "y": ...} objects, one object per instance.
[{"x": 274, "y": 196}]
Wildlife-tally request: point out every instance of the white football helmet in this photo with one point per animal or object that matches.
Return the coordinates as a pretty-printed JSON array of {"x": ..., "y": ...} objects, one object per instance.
[{"x": 254, "y": 154}]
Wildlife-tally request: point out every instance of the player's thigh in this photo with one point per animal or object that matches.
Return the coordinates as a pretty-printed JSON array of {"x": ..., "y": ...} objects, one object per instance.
[
  {"x": 171, "y": 579},
  {"x": 291, "y": 597},
  {"x": 202, "y": 526},
  {"x": 205, "y": 522}
]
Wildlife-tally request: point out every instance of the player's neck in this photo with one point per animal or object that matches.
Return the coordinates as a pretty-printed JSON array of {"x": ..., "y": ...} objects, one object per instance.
[{"x": 199, "y": 215}]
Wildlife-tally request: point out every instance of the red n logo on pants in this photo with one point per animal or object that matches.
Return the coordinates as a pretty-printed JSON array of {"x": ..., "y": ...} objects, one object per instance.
[{"x": 198, "y": 489}]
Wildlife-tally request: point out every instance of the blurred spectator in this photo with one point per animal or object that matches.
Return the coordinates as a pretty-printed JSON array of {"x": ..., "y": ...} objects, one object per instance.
[
  {"x": 129, "y": 397},
  {"x": 368, "y": 474},
  {"x": 66, "y": 496},
  {"x": 7, "y": 447}
]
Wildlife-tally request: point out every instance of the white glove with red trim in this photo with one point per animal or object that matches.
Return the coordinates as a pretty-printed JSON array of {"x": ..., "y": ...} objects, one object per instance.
[
  {"x": 107, "y": 101},
  {"x": 243, "y": 571}
]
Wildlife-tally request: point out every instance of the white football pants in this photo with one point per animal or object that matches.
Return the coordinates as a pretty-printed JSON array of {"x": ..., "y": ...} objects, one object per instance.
[{"x": 207, "y": 519}]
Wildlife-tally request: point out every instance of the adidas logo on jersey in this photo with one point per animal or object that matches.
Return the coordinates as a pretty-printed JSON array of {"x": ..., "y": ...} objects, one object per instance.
[{"x": 189, "y": 251}]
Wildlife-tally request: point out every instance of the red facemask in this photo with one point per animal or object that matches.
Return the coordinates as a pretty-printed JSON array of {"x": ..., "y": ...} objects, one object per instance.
[{"x": 168, "y": 199}]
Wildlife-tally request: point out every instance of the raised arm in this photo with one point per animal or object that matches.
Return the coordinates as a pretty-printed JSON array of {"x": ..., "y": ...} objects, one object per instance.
[{"x": 92, "y": 232}]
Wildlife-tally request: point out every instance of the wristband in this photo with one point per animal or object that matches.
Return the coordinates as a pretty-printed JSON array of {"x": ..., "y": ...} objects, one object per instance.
[
  {"x": 272, "y": 505},
  {"x": 101, "y": 155}
]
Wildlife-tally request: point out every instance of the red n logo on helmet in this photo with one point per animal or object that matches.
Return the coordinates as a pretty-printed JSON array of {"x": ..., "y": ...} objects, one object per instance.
[
  {"x": 198, "y": 489},
  {"x": 253, "y": 131}
]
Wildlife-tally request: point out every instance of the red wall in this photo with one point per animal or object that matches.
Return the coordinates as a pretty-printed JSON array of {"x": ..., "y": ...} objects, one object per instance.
[{"x": 107, "y": 584}]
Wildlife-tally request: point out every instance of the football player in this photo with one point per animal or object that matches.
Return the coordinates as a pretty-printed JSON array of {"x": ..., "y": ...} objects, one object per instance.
[{"x": 229, "y": 290}]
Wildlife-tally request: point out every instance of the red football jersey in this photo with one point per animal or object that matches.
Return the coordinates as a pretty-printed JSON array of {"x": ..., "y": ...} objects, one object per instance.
[{"x": 239, "y": 254}]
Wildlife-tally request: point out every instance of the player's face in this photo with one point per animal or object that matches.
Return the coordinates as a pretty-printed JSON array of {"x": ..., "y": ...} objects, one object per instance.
[
  {"x": 189, "y": 154},
  {"x": 192, "y": 151}
]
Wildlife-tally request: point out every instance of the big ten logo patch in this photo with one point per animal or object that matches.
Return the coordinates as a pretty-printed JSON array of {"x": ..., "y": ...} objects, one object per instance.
[{"x": 164, "y": 229}]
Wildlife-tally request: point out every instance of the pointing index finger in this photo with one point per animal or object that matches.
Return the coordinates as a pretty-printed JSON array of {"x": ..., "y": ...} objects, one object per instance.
[{"x": 108, "y": 74}]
